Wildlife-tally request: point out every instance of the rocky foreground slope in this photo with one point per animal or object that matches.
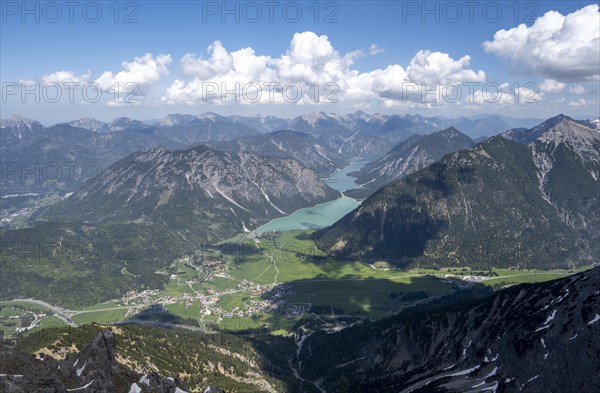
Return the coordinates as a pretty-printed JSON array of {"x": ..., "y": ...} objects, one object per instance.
[
  {"x": 542, "y": 337},
  {"x": 94, "y": 369},
  {"x": 529, "y": 338}
]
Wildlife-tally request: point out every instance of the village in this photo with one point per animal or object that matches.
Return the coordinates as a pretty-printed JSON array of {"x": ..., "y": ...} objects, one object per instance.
[{"x": 261, "y": 299}]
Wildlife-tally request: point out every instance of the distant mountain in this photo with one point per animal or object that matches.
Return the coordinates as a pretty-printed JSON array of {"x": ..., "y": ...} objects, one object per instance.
[
  {"x": 504, "y": 203},
  {"x": 398, "y": 128},
  {"x": 490, "y": 125},
  {"x": 88, "y": 123},
  {"x": 300, "y": 146},
  {"x": 119, "y": 124},
  {"x": 530, "y": 338},
  {"x": 528, "y": 135},
  {"x": 203, "y": 194},
  {"x": 413, "y": 154},
  {"x": 264, "y": 124},
  {"x": 593, "y": 124},
  {"x": 361, "y": 134},
  {"x": 342, "y": 133},
  {"x": 202, "y": 130},
  {"x": 17, "y": 128},
  {"x": 125, "y": 123},
  {"x": 175, "y": 120},
  {"x": 62, "y": 157}
]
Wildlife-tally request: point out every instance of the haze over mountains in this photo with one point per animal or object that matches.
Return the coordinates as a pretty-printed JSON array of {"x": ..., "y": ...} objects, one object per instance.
[{"x": 48, "y": 162}]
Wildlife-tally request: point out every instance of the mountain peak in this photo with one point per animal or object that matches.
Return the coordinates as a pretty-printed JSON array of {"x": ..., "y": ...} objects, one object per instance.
[
  {"x": 212, "y": 116},
  {"x": 525, "y": 135},
  {"x": 88, "y": 123},
  {"x": 18, "y": 120},
  {"x": 451, "y": 132}
]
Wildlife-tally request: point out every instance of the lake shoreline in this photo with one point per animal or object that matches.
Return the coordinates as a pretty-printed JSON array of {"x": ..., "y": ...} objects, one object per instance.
[{"x": 323, "y": 214}]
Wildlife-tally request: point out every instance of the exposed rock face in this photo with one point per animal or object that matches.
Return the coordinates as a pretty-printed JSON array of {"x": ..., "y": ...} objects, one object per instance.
[
  {"x": 17, "y": 128},
  {"x": 530, "y": 338},
  {"x": 208, "y": 194},
  {"x": 503, "y": 203},
  {"x": 93, "y": 370},
  {"x": 300, "y": 146}
]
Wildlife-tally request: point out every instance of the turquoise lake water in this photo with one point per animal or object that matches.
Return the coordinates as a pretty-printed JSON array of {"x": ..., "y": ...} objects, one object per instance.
[{"x": 324, "y": 214}]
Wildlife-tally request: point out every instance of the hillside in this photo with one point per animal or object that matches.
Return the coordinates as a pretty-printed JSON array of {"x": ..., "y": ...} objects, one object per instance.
[
  {"x": 504, "y": 203},
  {"x": 302, "y": 147},
  {"x": 530, "y": 338},
  {"x": 413, "y": 154}
]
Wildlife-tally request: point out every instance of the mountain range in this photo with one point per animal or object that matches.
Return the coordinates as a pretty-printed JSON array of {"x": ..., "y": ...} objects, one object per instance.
[
  {"x": 502, "y": 203},
  {"x": 204, "y": 194},
  {"x": 41, "y": 164}
]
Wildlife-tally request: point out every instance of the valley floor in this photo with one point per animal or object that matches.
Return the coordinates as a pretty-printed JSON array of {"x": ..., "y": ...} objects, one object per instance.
[{"x": 269, "y": 281}]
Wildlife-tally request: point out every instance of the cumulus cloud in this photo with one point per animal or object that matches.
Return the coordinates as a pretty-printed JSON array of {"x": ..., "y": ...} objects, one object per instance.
[
  {"x": 563, "y": 48},
  {"x": 582, "y": 103},
  {"x": 431, "y": 67},
  {"x": 504, "y": 95},
  {"x": 61, "y": 77},
  {"x": 552, "y": 86},
  {"x": 312, "y": 60},
  {"x": 577, "y": 89},
  {"x": 142, "y": 72}
]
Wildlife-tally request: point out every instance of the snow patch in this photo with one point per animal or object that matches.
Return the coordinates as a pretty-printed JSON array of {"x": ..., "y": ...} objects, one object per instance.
[
  {"x": 81, "y": 388},
  {"x": 79, "y": 371},
  {"x": 465, "y": 348},
  {"x": 463, "y": 372},
  {"x": 550, "y": 317},
  {"x": 492, "y": 373},
  {"x": 135, "y": 388},
  {"x": 492, "y": 388},
  {"x": 593, "y": 321}
]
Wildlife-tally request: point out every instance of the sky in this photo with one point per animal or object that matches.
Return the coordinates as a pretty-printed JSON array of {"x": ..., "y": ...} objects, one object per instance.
[{"x": 61, "y": 61}]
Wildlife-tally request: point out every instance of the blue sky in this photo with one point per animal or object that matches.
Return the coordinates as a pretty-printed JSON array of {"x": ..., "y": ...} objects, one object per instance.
[{"x": 387, "y": 34}]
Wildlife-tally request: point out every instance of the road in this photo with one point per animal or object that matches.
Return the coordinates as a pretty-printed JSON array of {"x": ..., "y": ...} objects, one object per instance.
[{"x": 65, "y": 314}]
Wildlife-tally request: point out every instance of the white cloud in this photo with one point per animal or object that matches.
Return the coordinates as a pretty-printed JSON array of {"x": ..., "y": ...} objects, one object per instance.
[
  {"x": 142, "y": 72},
  {"x": 431, "y": 67},
  {"x": 374, "y": 50},
  {"x": 311, "y": 59},
  {"x": 582, "y": 103},
  {"x": 564, "y": 48},
  {"x": 505, "y": 96},
  {"x": 552, "y": 86},
  {"x": 61, "y": 77},
  {"x": 577, "y": 89}
]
